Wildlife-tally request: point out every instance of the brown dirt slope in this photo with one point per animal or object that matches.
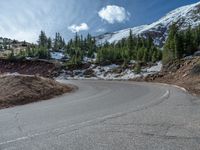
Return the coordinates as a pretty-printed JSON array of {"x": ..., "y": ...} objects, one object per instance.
[
  {"x": 29, "y": 67},
  {"x": 19, "y": 90},
  {"x": 184, "y": 73}
]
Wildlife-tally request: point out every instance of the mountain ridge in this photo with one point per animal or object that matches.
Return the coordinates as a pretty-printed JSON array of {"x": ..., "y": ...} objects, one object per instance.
[{"x": 185, "y": 16}]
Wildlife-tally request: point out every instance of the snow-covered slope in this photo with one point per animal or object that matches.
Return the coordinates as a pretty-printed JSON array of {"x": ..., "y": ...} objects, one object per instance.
[{"x": 184, "y": 16}]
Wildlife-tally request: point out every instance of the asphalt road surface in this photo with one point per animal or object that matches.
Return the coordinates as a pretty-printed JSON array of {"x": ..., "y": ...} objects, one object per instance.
[{"x": 106, "y": 115}]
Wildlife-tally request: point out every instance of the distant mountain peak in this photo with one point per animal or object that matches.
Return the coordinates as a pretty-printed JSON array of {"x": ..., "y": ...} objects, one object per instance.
[{"x": 185, "y": 16}]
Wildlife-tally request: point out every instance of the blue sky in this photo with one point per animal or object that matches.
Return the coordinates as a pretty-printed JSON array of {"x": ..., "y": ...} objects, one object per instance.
[{"x": 24, "y": 19}]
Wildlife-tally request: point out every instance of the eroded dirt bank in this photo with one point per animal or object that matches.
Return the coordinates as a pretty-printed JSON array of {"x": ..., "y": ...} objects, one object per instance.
[
  {"x": 21, "y": 89},
  {"x": 184, "y": 73},
  {"x": 30, "y": 67}
]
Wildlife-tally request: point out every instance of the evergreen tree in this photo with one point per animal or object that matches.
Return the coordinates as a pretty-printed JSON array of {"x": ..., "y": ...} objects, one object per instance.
[
  {"x": 154, "y": 56},
  {"x": 49, "y": 45},
  {"x": 180, "y": 43},
  {"x": 169, "y": 47},
  {"x": 179, "y": 46},
  {"x": 42, "y": 39},
  {"x": 196, "y": 35},
  {"x": 140, "y": 54},
  {"x": 59, "y": 42},
  {"x": 130, "y": 41},
  {"x": 189, "y": 42}
]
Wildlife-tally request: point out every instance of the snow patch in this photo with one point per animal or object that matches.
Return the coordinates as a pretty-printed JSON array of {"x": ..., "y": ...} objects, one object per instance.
[
  {"x": 156, "y": 68},
  {"x": 109, "y": 72},
  {"x": 57, "y": 55}
]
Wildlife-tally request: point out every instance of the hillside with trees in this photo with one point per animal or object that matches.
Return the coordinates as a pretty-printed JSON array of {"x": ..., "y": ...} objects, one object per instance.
[
  {"x": 181, "y": 43},
  {"x": 133, "y": 48},
  {"x": 134, "y": 54}
]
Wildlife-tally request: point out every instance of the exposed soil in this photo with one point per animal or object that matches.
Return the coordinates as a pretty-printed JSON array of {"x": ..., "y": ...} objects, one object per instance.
[
  {"x": 184, "y": 73},
  {"x": 30, "y": 67},
  {"x": 20, "y": 89}
]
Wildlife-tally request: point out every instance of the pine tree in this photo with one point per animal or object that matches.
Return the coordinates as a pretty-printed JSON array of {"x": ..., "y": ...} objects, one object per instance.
[
  {"x": 154, "y": 56},
  {"x": 42, "y": 42},
  {"x": 179, "y": 45},
  {"x": 59, "y": 42},
  {"x": 169, "y": 47},
  {"x": 196, "y": 36},
  {"x": 140, "y": 54},
  {"x": 145, "y": 55},
  {"x": 130, "y": 41},
  {"x": 149, "y": 42},
  {"x": 49, "y": 45},
  {"x": 188, "y": 42}
]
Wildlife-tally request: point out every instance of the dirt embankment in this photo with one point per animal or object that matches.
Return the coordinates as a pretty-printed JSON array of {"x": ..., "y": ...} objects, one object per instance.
[
  {"x": 19, "y": 89},
  {"x": 184, "y": 73},
  {"x": 30, "y": 67}
]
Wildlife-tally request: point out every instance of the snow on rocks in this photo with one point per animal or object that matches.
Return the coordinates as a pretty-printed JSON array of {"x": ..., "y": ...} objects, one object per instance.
[
  {"x": 88, "y": 60},
  {"x": 57, "y": 55},
  {"x": 110, "y": 72},
  {"x": 156, "y": 68}
]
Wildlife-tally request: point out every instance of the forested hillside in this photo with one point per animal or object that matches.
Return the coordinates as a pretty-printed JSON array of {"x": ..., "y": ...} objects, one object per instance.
[{"x": 181, "y": 43}]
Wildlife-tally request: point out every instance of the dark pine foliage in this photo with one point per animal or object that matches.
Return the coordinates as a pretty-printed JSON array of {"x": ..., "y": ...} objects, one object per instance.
[{"x": 181, "y": 43}]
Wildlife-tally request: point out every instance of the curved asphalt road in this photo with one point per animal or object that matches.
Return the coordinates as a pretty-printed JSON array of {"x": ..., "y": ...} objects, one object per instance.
[{"x": 106, "y": 115}]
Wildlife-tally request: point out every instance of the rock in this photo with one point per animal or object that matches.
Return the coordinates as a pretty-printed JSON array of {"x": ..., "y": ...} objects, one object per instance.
[
  {"x": 196, "y": 70},
  {"x": 197, "y": 53},
  {"x": 86, "y": 66},
  {"x": 117, "y": 70},
  {"x": 89, "y": 72}
]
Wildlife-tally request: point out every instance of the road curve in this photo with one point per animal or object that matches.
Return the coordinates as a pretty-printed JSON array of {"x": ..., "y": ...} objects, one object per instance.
[{"x": 110, "y": 115}]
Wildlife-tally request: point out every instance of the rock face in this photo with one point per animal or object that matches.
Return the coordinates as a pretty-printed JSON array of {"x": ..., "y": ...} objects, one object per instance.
[{"x": 185, "y": 16}]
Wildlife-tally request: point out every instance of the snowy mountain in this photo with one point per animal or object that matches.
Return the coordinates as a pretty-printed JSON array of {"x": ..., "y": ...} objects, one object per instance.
[{"x": 184, "y": 16}]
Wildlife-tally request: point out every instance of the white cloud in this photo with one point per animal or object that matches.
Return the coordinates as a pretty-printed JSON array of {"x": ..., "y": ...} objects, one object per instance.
[
  {"x": 113, "y": 13},
  {"x": 77, "y": 28},
  {"x": 101, "y": 30}
]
